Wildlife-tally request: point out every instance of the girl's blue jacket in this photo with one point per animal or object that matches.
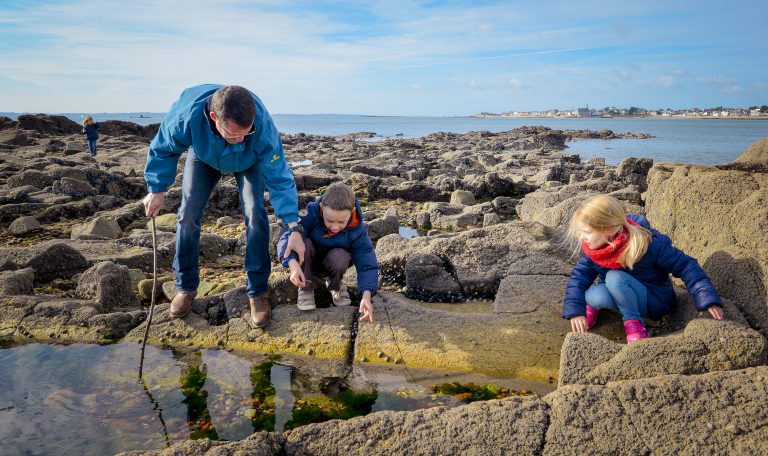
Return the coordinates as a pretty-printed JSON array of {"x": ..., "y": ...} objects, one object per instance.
[
  {"x": 186, "y": 125},
  {"x": 92, "y": 131},
  {"x": 355, "y": 240},
  {"x": 653, "y": 270}
]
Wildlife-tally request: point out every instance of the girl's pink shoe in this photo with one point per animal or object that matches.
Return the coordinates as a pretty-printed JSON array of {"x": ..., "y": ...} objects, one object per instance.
[
  {"x": 635, "y": 330},
  {"x": 591, "y": 316}
]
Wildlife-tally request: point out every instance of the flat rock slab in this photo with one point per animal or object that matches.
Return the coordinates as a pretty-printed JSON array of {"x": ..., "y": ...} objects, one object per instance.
[
  {"x": 526, "y": 346},
  {"x": 715, "y": 413},
  {"x": 705, "y": 346},
  {"x": 508, "y": 426},
  {"x": 323, "y": 332},
  {"x": 63, "y": 320}
]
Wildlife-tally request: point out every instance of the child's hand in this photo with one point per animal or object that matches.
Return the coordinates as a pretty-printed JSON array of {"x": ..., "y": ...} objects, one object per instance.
[
  {"x": 297, "y": 275},
  {"x": 579, "y": 324},
  {"x": 715, "y": 311},
  {"x": 366, "y": 307}
]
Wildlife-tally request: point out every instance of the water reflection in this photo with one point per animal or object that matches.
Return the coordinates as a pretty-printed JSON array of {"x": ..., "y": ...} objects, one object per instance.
[{"x": 84, "y": 399}]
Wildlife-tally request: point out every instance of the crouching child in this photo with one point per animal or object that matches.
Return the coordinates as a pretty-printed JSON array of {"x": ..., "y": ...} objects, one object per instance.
[{"x": 335, "y": 238}]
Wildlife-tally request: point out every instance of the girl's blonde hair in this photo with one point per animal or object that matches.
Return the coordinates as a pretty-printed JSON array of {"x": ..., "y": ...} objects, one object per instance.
[
  {"x": 606, "y": 214},
  {"x": 87, "y": 121}
]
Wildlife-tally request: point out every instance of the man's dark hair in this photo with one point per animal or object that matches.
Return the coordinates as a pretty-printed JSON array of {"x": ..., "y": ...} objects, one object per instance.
[{"x": 234, "y": 104}]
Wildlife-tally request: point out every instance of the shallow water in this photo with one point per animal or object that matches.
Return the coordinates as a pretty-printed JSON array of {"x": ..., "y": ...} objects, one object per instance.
[{"x": 85, "y": 399}]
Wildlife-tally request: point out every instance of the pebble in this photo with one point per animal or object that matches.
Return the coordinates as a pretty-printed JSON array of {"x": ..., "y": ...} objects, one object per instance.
[
  {"x": 380, "y": 354},
  {"x": 289, "y": 341},
  {"x": 710, "y": 427},
  {"x": 399, "y": 360},
  {"x": 387, "y": 359},
  {"x": 342, "y": 327},
  {"x": 722, "y": 357},
  {"x": 310, "y": 352},
  {"x": 220, "y": 343},
  {"x": 732, "y": 429}
]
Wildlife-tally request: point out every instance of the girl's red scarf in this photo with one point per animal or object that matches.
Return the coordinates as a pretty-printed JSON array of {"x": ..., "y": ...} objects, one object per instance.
[{"x": 608, "y": 255}]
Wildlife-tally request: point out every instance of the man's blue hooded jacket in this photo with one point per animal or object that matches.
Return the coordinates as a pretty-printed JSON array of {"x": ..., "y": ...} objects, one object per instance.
[{"x": 186, "y": 125}]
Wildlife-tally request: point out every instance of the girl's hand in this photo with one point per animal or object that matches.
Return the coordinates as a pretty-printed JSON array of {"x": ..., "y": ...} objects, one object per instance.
[
  {"x": 715, "y": 311},
  {"x": 297, "y": 275},
  {"x": 579, "y": 324},
  {"x": 366, "y": 307}
]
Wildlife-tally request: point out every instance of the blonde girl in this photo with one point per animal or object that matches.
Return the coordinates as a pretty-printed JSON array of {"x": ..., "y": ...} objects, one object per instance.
[
  {"x": 631, "y": 262},
  {"x": 90, "y": 128}
]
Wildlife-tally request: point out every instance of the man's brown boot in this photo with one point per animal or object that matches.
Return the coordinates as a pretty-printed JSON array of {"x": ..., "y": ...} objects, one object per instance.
[
  {"x": 261, "y": 311},
  {"x": 181, "y": 304}
]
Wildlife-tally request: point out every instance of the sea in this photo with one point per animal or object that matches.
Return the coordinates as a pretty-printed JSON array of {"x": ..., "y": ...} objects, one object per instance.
[{"x": 695, "y": 141}]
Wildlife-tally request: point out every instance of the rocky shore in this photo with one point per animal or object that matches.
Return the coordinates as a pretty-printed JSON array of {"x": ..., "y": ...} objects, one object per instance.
[{"x": 76, "y": 262}]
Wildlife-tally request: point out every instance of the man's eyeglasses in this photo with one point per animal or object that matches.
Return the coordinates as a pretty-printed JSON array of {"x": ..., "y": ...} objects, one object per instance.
[{"x": 229, "y": 134}]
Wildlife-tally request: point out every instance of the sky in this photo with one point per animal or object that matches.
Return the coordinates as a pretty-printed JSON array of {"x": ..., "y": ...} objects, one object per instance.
[{"x": 384, "y": 57}]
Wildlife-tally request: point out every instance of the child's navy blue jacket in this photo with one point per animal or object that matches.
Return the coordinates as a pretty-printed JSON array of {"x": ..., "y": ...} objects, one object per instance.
[
  {"x": 353, "y": 239},
  {"x": 653, "y": 270},
  {"x": 91, "y": 131}
]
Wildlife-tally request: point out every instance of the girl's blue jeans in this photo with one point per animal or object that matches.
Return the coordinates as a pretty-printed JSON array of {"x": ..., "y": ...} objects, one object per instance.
[
  {"x": 92, "y": 146},
  {"x": 199, "y": 180},
  {"x": 621, "y": 293}
]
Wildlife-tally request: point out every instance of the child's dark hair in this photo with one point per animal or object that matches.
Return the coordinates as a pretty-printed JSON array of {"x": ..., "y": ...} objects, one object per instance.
[{"x": 339, "y": 197}]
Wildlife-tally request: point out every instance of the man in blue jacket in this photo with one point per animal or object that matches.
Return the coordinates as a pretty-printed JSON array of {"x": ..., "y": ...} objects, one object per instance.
[
  {"x": 226, "y": 129},
  {"x": 335, "y": 238}
]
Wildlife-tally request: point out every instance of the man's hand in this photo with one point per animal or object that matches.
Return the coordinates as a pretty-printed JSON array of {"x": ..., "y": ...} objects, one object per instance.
[
  {"x": 297, "y": 275},
  {"x": 715, "y": 311},
  {"x": 579, "y": 324},
  {"x": 153, "y": 202},
  {"x": 366, "y": 307},
  {"x": 295, "y": 244}
]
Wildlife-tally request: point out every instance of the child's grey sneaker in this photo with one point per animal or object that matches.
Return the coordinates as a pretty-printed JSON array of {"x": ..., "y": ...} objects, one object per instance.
[
  {"x": 341, "y": 296},
  {"x": 306, "y": 300}
]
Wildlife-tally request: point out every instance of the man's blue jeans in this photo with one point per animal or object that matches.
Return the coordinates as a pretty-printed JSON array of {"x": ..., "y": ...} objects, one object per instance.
[
  {"x": 621, "y": 293},
  {"x": 199, "y": 180}
]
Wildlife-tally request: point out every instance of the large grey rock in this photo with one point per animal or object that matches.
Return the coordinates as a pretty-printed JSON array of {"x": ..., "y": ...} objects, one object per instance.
[
  {"x": 17, "y": 282},
  {"x": 527, "y": 293},
  {"x": 49, "y": 260},
  {"x": 109, "y": 285},
  {"x": 480, "y": 258},
  {"x": 462, "y": 197},
  {"x": 24, "y": 225},
  {"x": 716, "y": 413},
  {"x": 213, "y": 246},
  {"x": 757, "y": 153},
  {"x": 31, "y": 177},
  {"x": 73, "y": 187},
  {"x": 634, "y": 171},
  {"x": 427, "y": 279},
  {"x": 718, "y": 216},
  {"x": 509, "y": 426},
  {"x": 382, "y": 226},
  {"x": 705, "y": 346},
  {"x": 102, "y": 227}
]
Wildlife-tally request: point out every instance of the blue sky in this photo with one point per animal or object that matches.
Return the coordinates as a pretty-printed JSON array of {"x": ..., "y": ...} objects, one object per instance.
[{"x": 384, "y": 57}]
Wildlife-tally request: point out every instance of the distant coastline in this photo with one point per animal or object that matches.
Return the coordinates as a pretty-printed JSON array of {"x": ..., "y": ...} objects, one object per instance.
[{"x": 675, "y": 117}]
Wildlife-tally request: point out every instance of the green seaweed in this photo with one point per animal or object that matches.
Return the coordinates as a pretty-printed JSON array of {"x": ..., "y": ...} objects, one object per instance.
[
  {"x": 345, "y": 405},
  {"x": 263, "y": 397},
  {"x": 470, "y": 392},
  {"x": 196, "y": 399}
]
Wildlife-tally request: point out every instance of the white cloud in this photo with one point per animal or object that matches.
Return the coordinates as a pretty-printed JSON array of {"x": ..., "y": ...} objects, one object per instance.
[
  {"x": 715, "y": 79},
  {"x": 733, "y": 89},
  {"x": 666, "y": 80}
]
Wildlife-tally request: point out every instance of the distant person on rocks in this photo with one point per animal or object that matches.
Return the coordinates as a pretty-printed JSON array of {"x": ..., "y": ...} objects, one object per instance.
[
  {"x": 335, "y": 238},
  {"x": 631, "y": 262},
  {"x": 226, "y": 130},
  {"x": 91, "y": 130}
]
